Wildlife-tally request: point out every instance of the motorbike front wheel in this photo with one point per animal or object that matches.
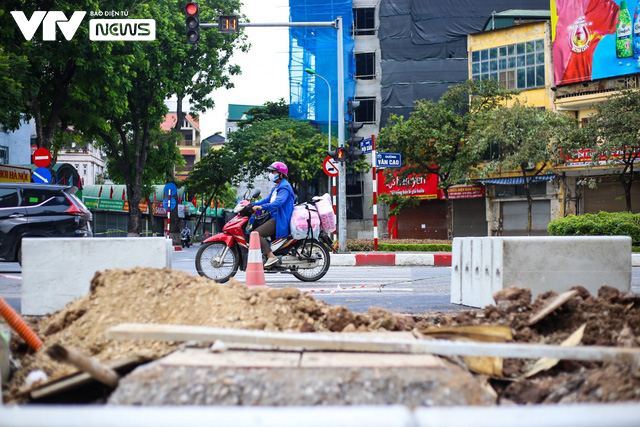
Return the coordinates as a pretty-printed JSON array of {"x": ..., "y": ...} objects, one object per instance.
[
  {"x": 209, "y": 261},
  {"x": 316, "y": 251}
]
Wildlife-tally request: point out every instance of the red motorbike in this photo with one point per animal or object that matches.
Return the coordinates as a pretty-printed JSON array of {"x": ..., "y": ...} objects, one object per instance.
[{"x": 221, "y": 255}]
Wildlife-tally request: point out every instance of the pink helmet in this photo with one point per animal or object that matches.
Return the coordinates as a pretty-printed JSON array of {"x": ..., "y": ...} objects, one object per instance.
[{"x": 279, "y": 167}]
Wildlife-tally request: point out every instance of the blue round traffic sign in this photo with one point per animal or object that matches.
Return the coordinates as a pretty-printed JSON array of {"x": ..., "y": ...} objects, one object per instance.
[
  {"x": 170, "y": 187},
  {"x": 165, "y": 203},
  {"x": 42, "y": 175}
]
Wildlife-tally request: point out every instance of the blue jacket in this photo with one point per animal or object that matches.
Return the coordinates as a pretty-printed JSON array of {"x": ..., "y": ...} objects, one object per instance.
[{"x": 282, "y": 207}]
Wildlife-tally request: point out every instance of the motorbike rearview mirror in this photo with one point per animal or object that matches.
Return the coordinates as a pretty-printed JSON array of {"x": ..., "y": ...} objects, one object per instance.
[{"x": 255, "y": 193}]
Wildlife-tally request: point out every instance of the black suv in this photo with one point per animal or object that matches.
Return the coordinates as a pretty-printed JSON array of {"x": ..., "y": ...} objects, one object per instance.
[{"x": 39, "y": 210}]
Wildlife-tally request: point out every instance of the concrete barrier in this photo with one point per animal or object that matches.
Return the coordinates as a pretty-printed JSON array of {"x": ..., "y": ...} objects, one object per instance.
[
  {"x": 56, "y": 271},
  {"x": 481, "y": 266}
]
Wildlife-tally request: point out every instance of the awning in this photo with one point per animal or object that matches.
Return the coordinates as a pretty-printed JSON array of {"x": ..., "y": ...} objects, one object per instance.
[
  {"x": 515, "y": 180},
  {"x": 187, "y": 152}
]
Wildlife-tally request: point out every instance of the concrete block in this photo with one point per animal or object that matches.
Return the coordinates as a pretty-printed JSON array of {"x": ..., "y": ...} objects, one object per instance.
[
  {"x": 414, "y": 259},
  {"x": 482, "y": 266},
  {"x": 56, "y": 271}
]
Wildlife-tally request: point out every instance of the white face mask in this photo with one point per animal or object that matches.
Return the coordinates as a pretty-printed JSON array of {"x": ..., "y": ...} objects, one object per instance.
[{"x": 273, "y": 177}]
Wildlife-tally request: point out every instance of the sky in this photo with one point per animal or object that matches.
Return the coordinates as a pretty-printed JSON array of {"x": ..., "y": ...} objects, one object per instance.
[{"x": 265, "y": 73}]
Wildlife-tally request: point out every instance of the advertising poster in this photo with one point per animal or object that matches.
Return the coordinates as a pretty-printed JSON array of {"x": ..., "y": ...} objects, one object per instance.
[{"x": 594, "y": 39}]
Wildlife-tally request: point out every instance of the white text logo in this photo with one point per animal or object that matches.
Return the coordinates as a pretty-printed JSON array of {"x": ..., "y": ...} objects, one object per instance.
[
  {"x": 122, "y": 29},
  {"x": 68, "y": 27}
]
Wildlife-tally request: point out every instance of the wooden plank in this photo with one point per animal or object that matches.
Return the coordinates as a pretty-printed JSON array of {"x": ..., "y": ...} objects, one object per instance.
[
  {"x": 369, "y": 360},
  {"x": 79, "y": 379},
  {"x": 232, "y": 359},
  {"x": 341, "y": 342},
  {"x": 557, "y": 302},
  {"x": 91, "y": 366},
  {"x": 283, "y": 359}
]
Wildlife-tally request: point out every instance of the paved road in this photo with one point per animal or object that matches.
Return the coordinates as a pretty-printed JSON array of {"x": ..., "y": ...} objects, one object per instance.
[{"x": 415, "y": 290}]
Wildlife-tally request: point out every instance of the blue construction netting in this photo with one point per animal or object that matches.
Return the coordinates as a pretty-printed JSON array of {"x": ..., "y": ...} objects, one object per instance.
[{"x": 316, "y": 48}]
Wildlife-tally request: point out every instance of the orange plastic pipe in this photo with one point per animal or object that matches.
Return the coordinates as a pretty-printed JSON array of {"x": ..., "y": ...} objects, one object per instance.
[{"x": 16, "y": 322}]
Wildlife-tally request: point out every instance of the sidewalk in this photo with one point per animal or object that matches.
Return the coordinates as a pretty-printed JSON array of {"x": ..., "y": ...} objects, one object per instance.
[{"x": 429, "y": 259}]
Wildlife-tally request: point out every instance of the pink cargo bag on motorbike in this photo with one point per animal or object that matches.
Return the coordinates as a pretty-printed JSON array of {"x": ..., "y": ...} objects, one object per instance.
[
  {"x": 325, "y": 211},
  {"x": 303, "y": 216}
]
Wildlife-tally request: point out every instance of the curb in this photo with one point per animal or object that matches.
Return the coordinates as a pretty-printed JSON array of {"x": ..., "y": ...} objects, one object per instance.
[{"x": 392, "y": 259}]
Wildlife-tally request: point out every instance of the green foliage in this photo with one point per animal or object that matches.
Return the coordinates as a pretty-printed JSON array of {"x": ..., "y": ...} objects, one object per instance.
[
  {"x": 600, "y": 224},
  {"x": 268, "y": 111},
  {"x": 390, "y": 247},
  {"x": 612, "y": 134},
  {"x": 400, "y": 245},
  {"x": 434, "y": 138},
  {"x": 525, "y": 135}
]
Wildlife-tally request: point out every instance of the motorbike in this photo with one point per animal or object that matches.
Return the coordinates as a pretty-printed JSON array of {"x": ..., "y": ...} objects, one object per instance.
[
  {"x": 221, "y": 255},
  {"x": 185, "y": 239}
]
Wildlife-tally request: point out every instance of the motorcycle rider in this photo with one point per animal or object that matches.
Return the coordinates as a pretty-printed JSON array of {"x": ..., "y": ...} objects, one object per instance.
[
  {"x": 279, "y": 203},
  {"x": 186, "y": 235}
]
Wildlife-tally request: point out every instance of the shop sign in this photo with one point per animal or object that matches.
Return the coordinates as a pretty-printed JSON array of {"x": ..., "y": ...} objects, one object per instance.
[
  {"x": 158, "y": 209},
  {"x": 463, "y": 192},
  {"x": 90, "y": 202},
  {"x": 415, "y": 186},
  {"x": 111, "y": 205},
  {"x": 14, "y": 174}
]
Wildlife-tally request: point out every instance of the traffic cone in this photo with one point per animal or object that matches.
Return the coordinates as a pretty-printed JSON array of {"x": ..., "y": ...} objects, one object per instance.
[{"x": 255, "y": 271}]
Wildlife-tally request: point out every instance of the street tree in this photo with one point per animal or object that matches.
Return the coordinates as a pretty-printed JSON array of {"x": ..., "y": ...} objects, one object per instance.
[
  {"x": 38, "y": 76},
  {"x": 527, "y": 139},
  {"x": 434, "y": 138},
  {"x": 125, "y": 111},
  {"x": 212, "y": 177},
  {"x": 270, "y": 135},
  {"x": 613, "y": 137}
]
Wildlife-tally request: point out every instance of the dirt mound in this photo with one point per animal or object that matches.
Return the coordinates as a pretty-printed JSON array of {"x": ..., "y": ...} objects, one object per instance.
[
  {"x": 146, "y": 295},
  {"x": 611, "y": 319}
]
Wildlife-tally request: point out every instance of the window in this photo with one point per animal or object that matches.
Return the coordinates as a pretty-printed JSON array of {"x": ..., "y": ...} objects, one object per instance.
[
  {"x": 4, "y": 155},
  {"x": 516, "y": 66},
  {"x": 365, "y": 66},
  {"x": 364, "y": 21},
  {"x": 8, "y": 197},
  {"x": 366, "y": 112}
]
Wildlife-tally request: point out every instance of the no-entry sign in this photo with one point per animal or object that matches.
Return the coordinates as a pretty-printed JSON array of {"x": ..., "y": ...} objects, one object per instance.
[
  {"x": 41, "y": 157},
  {"x": 330, "y": 166}
]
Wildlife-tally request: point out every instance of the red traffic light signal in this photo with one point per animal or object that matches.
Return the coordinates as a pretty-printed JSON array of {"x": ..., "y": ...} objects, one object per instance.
[
  {"x": 192, "y": 8},
  {"x": 192, "y": 23},
  {"x": 339, "y": 155}
]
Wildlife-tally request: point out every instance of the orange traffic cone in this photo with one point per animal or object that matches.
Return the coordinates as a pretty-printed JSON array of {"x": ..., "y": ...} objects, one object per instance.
[{"x": 255, "y": 271}]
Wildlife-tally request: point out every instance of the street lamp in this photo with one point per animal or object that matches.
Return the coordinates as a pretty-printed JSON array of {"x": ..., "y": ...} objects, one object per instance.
[{"x": 310, "y": 71}]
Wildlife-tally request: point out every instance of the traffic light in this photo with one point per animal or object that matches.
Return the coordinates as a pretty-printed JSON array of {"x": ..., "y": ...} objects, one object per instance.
[
  {"x": 192, "y": 23},
  {"x": 353, "y": 141},
  {"x": 339, "y": 155}
]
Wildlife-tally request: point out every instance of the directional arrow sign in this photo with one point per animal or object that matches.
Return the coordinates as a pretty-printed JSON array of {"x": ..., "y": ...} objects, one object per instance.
[
  {"x": 165, "y": 204},
  {"x": 42, "y": 175}
]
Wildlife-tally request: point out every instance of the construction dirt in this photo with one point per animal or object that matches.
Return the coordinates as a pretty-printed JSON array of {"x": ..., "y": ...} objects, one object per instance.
[{"x": 146, "y": 295}]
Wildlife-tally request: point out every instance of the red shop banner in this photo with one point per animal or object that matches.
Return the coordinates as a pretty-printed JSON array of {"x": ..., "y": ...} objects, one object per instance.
[
  {"x": 426, "y": 188},
  {"x": 414, "y": 186}
]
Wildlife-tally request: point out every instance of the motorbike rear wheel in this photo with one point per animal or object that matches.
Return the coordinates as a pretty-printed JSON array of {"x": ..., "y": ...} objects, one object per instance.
[
  {"x": 316, "y": 250},
  {"x": 209, "y": 264}
]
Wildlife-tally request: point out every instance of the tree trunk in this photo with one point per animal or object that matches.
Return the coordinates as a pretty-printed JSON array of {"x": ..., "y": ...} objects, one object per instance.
[
  {"x": 626, "y": 184},
  {"x": 448, "y": 216}
]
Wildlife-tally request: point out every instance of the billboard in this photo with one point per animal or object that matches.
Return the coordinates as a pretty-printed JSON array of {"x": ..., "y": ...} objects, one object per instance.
[{"x": 594, "y": 39}]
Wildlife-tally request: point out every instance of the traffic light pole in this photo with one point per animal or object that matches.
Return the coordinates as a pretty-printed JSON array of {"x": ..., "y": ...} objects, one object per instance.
[
  {"x": 342, "y": 178},
  {"x": 342, "y": 169}
]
